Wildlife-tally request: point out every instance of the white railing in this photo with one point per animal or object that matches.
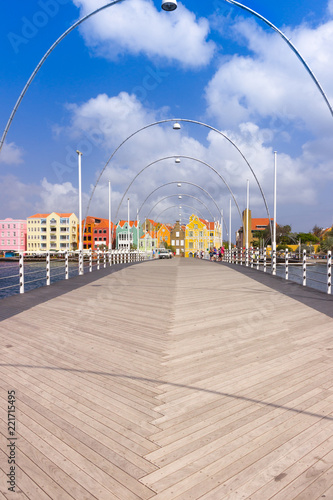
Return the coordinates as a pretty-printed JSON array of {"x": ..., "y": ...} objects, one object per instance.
[
  {"x": 30, "y": 270},
  {"x": 297, "y": 270}
]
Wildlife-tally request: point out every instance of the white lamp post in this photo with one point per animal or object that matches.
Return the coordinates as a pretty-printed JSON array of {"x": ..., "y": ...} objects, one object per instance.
[
  {"x": 128, "y": 225},
  {"x": 110, "y": 223},
  {"x": 80, "y": 215},
  {"x": 274, "y": 217}
]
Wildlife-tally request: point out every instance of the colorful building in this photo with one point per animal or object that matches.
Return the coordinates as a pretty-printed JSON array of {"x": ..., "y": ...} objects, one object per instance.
[
  {"x": 52, "y": 232},
  {"x": 127, "y": 234},
  {"x": 196, "y": 236},
  {"x": 177, "y": 238},
  {"x": 254, "y": 224},
  {"x": 96, "y": 233},
  {"x": 13, "y": 235},
  {"x": 163, "y": 235},
  {"x": 148, "y": 242}
]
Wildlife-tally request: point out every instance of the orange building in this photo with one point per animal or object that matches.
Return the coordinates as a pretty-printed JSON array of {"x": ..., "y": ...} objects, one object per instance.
[{"x": 96, "y": 233}]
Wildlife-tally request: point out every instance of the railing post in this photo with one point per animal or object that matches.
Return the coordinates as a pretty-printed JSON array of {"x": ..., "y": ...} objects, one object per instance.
[
  {"x": 247, "y": 257},
  {"x": 21, "y": 272},
  {"x": 265, "y": 260},
  {"x": 104, "y": 258},
  {"x": 329, "y": 272},
  {"x": 251, "y": 257},
  {"x": 287, "y": 264},
  {"x": 273, "y": 262},
  {"x": 237, "y": 256},
  {"x": 48, "y": 270},
  {"x": 304, "y": 267},
  {"x": 90, "y": 260},
  {"x": 110, "y": 257},
  {"x": 241, "y": 256},
  {"x": 258, "y": 259},
  {"x": 98, "y": 259},
  {"x": 80, "y": 262},
  {"x": 66, "y": 266}
]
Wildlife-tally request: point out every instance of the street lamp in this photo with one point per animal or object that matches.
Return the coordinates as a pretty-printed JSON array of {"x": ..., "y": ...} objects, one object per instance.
[
  {"x": 169, "y": 6},
  {"x": 80, "y": 215}
]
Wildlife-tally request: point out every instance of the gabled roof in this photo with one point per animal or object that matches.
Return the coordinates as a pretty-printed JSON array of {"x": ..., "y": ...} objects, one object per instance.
[
  {"x": 43, "y": 216},
  {"x": 264, "y": 221},
  {"x": 132, "y": 223}
]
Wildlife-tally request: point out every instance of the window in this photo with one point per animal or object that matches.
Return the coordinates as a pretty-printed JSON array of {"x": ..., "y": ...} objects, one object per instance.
[
  {"x": 211, "y": 235},
  {"x": 8, "y": 242},
  {"x": 22, "y": 226},
  {"x": 2, "y": 233},
  {"x": 190, "y": 245},
  {"x": 190, "y": 234},
  {"x": 14, "y": 233},
  {"x": 8, "y": 233},
  {"x": 21, "y": 234},
  {"x": 177, "y": 234},
  {"x": 195, "y": 226},
  {"x": 172, "y": 242},
  {"x": 8, "y": 226},
  {"x": 14, "y": 242},
  {"x": 14, "y": 226},
  {"x": 2, "y": 242},
  {"x": 200, "y": 234},
  {"x": 22, "y": 242},
  {"x": 177, "y": 243},
  {"x": 182, "y": 243}
]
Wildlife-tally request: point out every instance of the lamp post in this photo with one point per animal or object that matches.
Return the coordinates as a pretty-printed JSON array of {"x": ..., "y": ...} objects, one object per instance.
[
  {"x": 80, "y": 216},
  {"x": 128, "y": 225},
  {"x": 110, "y": 223},
  {"x": 274, "y": 217},
  {"x": 247, "y": 223}
]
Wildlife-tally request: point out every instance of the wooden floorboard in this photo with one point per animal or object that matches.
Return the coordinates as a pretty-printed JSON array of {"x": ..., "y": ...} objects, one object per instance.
[{"x": 169, "y": 380}]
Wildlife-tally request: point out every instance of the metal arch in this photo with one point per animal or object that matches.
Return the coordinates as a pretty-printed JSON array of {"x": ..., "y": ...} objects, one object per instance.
[
  {"x": 181, "y": 194},
  {"x": 110, "y": 4},
  {"x": 41, "y": 62},
  {"x": 174, "y": 206},
  {"x": 186, "y": 157},
  {"x": 291, "y": 46},
  {"x": 187, "y": 121},
  {"x": 191, "y": 184}
]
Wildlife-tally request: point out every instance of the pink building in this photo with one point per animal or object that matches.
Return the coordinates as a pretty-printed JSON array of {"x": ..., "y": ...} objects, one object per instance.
[{"x": 13, "y": 235}]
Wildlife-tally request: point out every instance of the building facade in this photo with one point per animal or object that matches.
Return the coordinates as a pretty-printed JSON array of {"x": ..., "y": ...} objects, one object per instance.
[
  {"x": 96, "y": 233},
  {"x": 177, "y": 238},
  {"x": 13, "y": 235},
  {"x": 52, "y": 232},
  {"x": 163, "y": 236},
  {"x": 196, "y": 236},
  {"x": 128, "y": 234}
]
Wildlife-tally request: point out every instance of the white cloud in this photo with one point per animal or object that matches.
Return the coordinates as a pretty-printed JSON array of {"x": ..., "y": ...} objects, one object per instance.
[
  {"x": 330, "y": 6},
  {"x": 137, "y": 27},
  {"x": 11, "y": 154},
  {"x": 271, "y": 83}
]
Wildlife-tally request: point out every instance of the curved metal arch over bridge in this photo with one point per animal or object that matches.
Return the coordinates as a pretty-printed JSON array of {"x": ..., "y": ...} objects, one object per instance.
[
  {"x": 183, "y": 205},
  {"x": 180, "y": 194},
  {"x": 185, "y": 157},
  {"x": 110, "y": 4},
  {"x": 191, "y": 184},
  {"x": 175, "y": 120}
]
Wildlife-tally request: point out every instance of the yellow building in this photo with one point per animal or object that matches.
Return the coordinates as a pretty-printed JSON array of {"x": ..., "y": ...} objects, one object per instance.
[
  {"x": 52, "y": 232},
  {"x": 196, "y": 236}
]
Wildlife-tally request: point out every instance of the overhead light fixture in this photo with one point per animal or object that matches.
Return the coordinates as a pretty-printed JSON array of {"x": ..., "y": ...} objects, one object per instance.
[
  {"x": 179, "y": 185},
  {"x": 177, "y": 160},
  {"x": 169, "y": 6},
  {"x": 179, "y": 197},
  {"x": 176, "y": 126}
]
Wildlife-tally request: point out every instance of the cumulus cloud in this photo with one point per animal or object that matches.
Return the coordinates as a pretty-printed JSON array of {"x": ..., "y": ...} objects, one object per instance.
[
  {"x": 137, "y": 27},
  {"x": 11, "y": 154},
  {"x": 270, "y": 83},
  {"x": 330, "y": 7}
]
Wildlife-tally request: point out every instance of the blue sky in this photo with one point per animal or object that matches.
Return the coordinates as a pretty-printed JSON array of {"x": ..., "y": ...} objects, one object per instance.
[{"x": 132, "y": 65}]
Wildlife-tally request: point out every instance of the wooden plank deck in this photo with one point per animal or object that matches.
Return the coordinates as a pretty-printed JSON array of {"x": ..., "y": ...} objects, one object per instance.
[{"x": 169, "y": 380}]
